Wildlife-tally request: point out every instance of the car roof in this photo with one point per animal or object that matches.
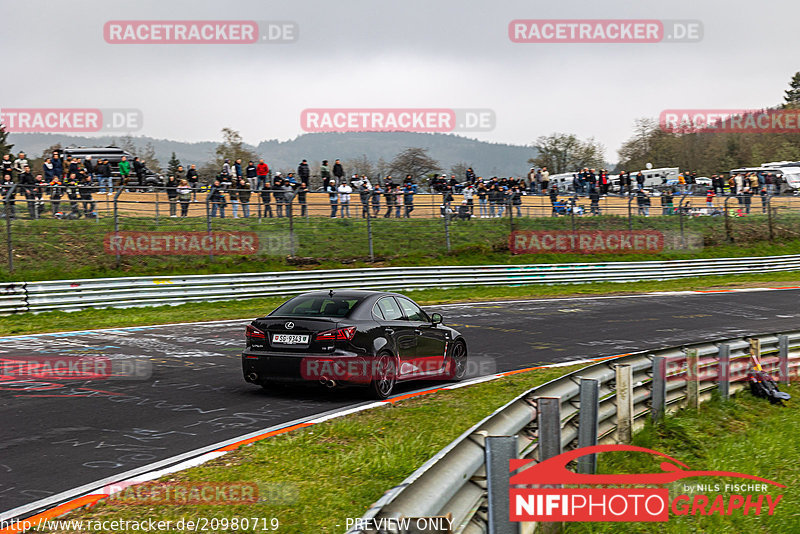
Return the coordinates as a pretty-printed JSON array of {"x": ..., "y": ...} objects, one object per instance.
[{"x": 357, "y": 293}]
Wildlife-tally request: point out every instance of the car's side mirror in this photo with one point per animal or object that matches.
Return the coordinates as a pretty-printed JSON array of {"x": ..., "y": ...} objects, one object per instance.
[{"x": 436, "y": 318}]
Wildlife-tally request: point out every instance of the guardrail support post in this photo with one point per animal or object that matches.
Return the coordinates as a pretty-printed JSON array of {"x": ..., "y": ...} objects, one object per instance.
[
  {"x": 587, "y": 423},
  {"x": 658, "y": 393},
  {"x": 624, "y": 403},
  {"x": 783, "y": 359},
  {"x": 692, "y": 380},
  {"x": 724, "y": 371},
  {"x": 549, "y": 422},
  {"x": 499, "y": 451}
]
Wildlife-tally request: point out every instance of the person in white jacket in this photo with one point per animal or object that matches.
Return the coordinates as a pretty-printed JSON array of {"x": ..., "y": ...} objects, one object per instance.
[{"x": 344, "y": 199}]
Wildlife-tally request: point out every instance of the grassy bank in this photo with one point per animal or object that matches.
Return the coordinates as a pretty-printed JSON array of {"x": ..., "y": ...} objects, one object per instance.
[
  {"x": 317, "y": 477},
  {"x": 52, "y": 249},
  {"x": 745, "y": 435},
  {"x": 244, "y": 309}
]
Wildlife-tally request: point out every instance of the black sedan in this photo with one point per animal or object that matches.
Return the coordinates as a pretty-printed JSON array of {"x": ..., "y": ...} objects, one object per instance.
[{"x": 347, "y": 337}]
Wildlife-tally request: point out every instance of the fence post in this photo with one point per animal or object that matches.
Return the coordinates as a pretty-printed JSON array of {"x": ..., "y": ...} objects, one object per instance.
[
  {"x": 549, "y": 422},
  {"x": 724, "y": 371},
  {"x": 116, "y": 223},
  {"x": 728, "y": 236},
  {"x": 630, "y": 214},
  {"x": 446, "y": 229},
  {"x": 499, "y": 451},
  {"x": 783, "y": 359},
  {"x": 624, "y": 375},
  {"x": 658, "y": 394},
  {"x": 11, "y": 193},
  {"x": 587, "y": 423},
  {"x": 208, "y": 226},
  {"x": 768, "y": 199},
  {"x": 692, "y": 380},
  {"x": 369, "y": 235},
  {"x": 290, "y": 213}
]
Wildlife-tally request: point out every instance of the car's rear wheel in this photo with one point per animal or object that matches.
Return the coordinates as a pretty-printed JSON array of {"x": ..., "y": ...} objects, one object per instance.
[
  {"x": 384, "y": 377},
  {"x": 456, "y": 362}
]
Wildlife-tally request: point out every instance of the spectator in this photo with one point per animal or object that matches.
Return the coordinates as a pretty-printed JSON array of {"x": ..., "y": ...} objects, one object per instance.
[
  {"x": 710, "y": 198},
  {"x": 58, "y": 164},
  {"x": 344, "y": 199},
  {"x": 338, "y": 171},
  {"x": 73, "y": 166},
  {"x": 468, "y": 194},
  {"x": 447, "y": 196},
  {"x": 56, "y": 192},
  {"x": 172, "y": 195},
  {"x": 227, "y": 171},
  {"x": 88, "y": 164},
  {"x": 233, "y": 194},
  {"x": 594, "y": 199},
  {"x": 746, "y": 198},
  {"x": 469, "y": 175},
  {"x": 103, "y": 170},
  {"x": 545, "y": 179},
  {"x": 87, "y": 189},
  {"x": 333, "y": 196},
  {"x": 73, "y": 195},
  {"x": 244, "y": 195},
  {"x": 364, "y": 195},
  {"x": 640, "y": 180},
  {"x": 483, "y": 195},
  {"x": 184, "y": 191},
  {"x": 554, "y": 199},
  {"x": 278, "y": 193},
  {"x": 304, "y": 172},
  {"x": 534, "y": 182},
  {"x": 20, "y": 163},
  {"x": 7, "y": 186},
  {"x": 391, "y": 198},
  {"x": 27, "y": 184},
  {"x": 7, "y": 167},
  {"x": 193, "y": 179},
  {"x": 302, "y": 193},
  {"x": 325, "y": 171},
  {"x": 464, "y": 211},
  {"x": 375, "y": 197},
  {"x": 124, "y": 167},
  {"x": 180, "y": 173},
  {"x": 408, "y": 198},
  {"x": 252, "y": 175},
  {"x": 495, "y": 198},
  {"x": 139, "y": 171},
  {"x": 48, "y": 170},
  {"x": 216, "y": 199},
  {"x": 643, "y": 202},
  {"x": 667, "y": 206},
  {"x": 237, "y": 171},
  {"x": 266, "y": 193},
  {"x": 262, "y": 174},
  {"x": 516, "y": 200}
]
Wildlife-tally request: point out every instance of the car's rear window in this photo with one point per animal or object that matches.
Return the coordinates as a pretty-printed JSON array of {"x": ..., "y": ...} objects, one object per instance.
[{"x": 314, "y": 306}]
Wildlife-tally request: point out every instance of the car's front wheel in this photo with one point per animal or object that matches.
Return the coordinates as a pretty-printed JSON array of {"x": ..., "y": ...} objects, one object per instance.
[
  {"x": 384, "y": 376},
  {"x": 456, "y": 362}
]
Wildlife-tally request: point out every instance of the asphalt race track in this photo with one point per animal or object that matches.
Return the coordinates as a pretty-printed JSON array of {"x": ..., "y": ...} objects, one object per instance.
[{"x": 58, "y": 434}]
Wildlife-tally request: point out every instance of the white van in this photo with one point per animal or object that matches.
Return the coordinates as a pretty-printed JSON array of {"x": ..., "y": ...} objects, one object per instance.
[
  {"x": 789, "y": 171},
  {"x": 652, "y": 177}
]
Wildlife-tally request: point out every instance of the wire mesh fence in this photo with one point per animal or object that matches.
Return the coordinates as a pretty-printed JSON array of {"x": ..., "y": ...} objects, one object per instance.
[{"x": 70, "y": 232}]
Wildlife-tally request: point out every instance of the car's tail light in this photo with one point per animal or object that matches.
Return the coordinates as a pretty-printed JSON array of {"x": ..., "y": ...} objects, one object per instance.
[
  {"x": 251, "y": 332},
  {"x": 341, "y": 333}
]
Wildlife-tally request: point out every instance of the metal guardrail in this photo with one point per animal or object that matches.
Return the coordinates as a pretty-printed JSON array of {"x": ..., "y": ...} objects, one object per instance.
[
  {"x": 155, "y": 291},
  {"x": 454, "y": 482}
]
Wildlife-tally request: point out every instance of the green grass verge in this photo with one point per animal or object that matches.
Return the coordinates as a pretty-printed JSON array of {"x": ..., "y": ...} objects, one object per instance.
[
  {"x": 242, "y": 309},
  {"x": 47, "y": 249},
  {"x": 745, "y": 435},
  {"x": 315, "y": 478}
]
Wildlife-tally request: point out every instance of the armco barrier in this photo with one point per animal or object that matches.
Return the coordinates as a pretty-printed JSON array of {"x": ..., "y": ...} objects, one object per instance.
[
  {"x": 454, "y": 481},
  {"x": 154, "y": 291}
]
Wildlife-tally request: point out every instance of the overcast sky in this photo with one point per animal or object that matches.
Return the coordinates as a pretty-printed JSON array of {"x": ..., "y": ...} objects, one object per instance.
[{"x": 411, "y": 54}]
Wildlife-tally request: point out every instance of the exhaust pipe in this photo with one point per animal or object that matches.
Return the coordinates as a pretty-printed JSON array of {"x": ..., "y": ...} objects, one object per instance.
[
  {"x": 327, "y": 382},
  {"x": 252, "y": 377}
]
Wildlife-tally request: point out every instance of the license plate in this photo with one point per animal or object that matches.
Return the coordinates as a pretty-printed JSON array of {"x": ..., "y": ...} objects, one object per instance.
[{"x": 290, "y": 339}]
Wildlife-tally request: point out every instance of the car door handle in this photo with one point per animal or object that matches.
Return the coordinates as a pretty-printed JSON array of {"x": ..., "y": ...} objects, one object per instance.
[
  {"x": 418, "y": 332},
  {"x": 389, "y": 331}
]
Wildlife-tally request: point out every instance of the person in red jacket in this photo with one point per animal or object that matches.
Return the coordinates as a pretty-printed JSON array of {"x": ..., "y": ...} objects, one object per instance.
[{"x": 262, "y": 174}]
